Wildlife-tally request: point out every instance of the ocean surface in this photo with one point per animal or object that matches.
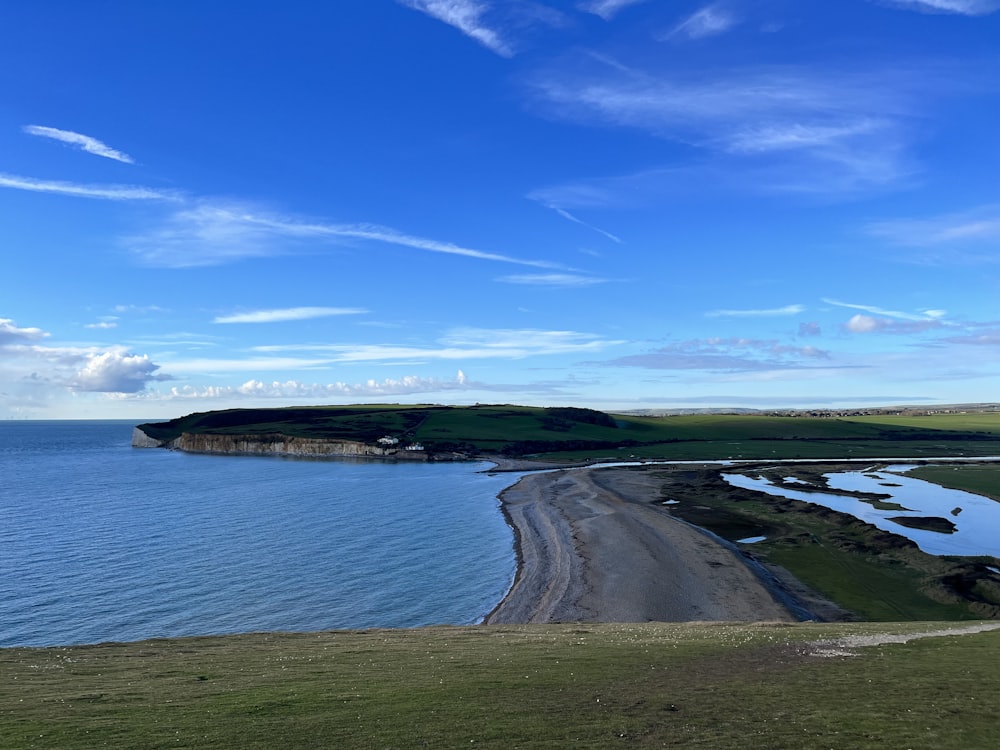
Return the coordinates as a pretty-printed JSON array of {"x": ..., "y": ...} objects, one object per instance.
[{"x": 100, "y": 541}]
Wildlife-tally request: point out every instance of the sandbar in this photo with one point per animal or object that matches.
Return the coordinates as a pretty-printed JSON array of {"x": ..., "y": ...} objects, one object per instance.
[{"x": 593, "y": 547}]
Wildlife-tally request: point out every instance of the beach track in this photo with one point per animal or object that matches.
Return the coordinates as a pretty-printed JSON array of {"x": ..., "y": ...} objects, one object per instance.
[{"x": 594, "y": 547}]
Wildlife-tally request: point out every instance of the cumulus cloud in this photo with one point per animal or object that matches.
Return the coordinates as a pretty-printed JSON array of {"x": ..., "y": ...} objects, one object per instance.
[
  {"x": 11, "y": 333},
  {"x": 287, "y": 314},
  {"x": 294, "y": 389},
  {"x": 83, "y": 142},
  {"x": 809, "y": 329},
  {"x": 116, "y": 372},
  {"x": 868, "y": 324}
]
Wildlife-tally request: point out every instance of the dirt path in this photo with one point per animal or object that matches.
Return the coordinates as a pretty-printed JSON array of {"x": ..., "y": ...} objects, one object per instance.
[
  {"x": 845, "y": 646},
  {"x": 592, "y": 548}
]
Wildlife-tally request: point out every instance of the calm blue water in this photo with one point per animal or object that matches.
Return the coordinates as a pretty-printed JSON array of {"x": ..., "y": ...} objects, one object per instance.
[{"x": 100, "y": 541}]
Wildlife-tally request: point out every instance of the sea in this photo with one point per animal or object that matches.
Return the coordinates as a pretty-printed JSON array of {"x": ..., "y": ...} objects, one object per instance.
[{"x": 102, "y": 542}]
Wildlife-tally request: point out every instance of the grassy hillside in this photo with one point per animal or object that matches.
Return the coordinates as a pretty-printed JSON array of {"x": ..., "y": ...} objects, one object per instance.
[
  {"x": 570, "y": 433},
  {"x": 557, "y": 686}
]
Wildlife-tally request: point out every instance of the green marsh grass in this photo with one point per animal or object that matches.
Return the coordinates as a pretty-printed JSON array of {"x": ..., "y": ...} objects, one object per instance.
[{"x": 557, "y": 686}]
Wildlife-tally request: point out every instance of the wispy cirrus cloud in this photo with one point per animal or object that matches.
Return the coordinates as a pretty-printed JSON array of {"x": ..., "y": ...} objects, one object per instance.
[
  {"x": 83, "y": 142},
  {"x": 77, "y": 190},
  {"x": 570, "y": 217},
  {"x": 459, "y": 344},
  {"x": 209, "y": 233},
  {"x": 606, "y": 9},
  {"x": 850, "y": 129},
  {"x": 468, "y": 16},
  {"x": 709, "y": 21},
  {"x": 960, "y": 7},
  {"x": 288, "y": 314},
  {"x": 766, "y": 313},
  {"x": 726, "y": 355},
  {"x": 875, "y": 310},
  {"x": 552, "y": 279},
  {"x": 968, "y": 237}
]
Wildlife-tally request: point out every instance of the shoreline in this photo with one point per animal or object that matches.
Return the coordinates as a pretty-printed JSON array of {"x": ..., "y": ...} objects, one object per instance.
[{"x": 591, "y": 546}]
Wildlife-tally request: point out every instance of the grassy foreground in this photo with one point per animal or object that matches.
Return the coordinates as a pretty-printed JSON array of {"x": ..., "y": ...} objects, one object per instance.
[{"x": 554, "y": 686}]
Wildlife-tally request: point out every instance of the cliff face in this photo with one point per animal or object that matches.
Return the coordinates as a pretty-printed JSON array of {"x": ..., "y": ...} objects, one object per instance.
[
  {"x": 273, "y": 445},
  {"x": 141, "y": 440}
]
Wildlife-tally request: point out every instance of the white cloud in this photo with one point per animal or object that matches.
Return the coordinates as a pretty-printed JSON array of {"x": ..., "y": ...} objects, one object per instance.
[
  {"x": 248, "y": 364},
  {"x": 467, "y": 17},
  {"x": 726, "y": 355},
  {"x": 10, "y": 332},
  {"x": 709, "y": 21},
  {"x": 793, "y": 135},
  {"x": 979, "y": 225},
  {"x": 862, "y": 324},
  {"x": 787, "y": 310},
  {"x": 458, "y": 344},
  {"x": 115, "y": 372},
  {"x": 294, "y": 389},
  {"x": 961, "y": 7},
  {"x": 782, "y": 123},
  {"x": 102, "y": 325},
  {"x": 211, "y": 233},
  {"x": 868, "y": 324},
  {"x": 570, "y": 217},
  {"x": 552, "y": 279},
  {"x": 83, "y": 142},
  {"x": 106, "y": 192},
  {"x": 930, "y": 314},
  {"x": 606, "y": 9},
  {"x": 287, "y": 314}
]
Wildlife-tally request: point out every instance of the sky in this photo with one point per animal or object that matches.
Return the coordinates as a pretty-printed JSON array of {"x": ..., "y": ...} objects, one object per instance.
[{"x": 617, "y": 204}]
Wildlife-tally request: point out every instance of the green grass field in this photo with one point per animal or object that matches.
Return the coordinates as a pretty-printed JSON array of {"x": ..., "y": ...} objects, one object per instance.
[
  {"x": 982, "y": 479},
  {"x": 574, "y": 434},
  {"x": 556, "y": 686}
]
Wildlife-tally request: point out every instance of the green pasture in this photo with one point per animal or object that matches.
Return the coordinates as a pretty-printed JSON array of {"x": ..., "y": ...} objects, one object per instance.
[
  {"x": 982, "y": 479},
  {"x": 551, "y": 686},
  {"x": 983, "y": 422},
  {"x": 572, "y": 434}
]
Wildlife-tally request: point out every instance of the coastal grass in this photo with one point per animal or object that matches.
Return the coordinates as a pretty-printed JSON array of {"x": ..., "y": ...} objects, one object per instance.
[
  {"x": 689, "y": 685},
  {"x": 778, "y": 449},
  {"x": 981, "y": 479},
  {"x": 873, "y": 574}
]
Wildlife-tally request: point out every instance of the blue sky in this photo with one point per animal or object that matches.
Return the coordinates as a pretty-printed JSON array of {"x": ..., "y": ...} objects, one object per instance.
[{"x": 609, "y": 203}]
